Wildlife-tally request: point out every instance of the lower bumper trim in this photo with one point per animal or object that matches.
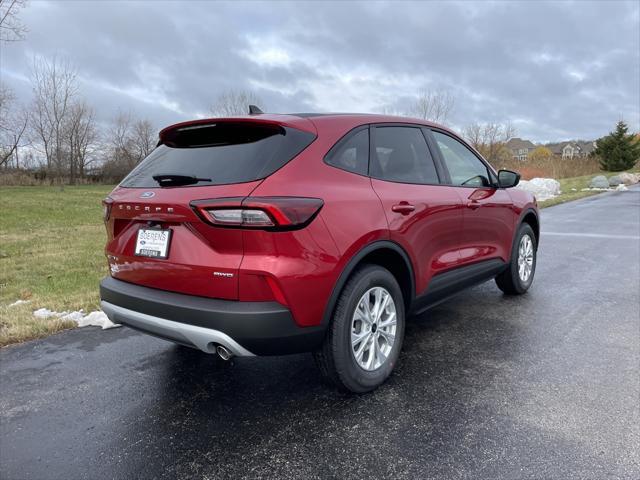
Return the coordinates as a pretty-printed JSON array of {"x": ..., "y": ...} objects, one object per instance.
[{"x": 204, "y": 339}]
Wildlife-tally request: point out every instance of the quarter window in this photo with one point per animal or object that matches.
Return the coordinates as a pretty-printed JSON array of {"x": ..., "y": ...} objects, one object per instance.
[
  {"x": 464, "y": 167},
  {"x": 352, "y": 154},
  {"x": 401, "y": 155}
]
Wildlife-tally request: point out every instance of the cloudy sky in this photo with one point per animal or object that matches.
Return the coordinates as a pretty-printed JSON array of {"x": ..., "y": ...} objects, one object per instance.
[{"x": 556, "y": 70}]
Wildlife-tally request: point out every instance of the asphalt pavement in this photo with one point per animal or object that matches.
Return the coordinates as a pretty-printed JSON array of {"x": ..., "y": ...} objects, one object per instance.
[{"x": 546, "y": 385}]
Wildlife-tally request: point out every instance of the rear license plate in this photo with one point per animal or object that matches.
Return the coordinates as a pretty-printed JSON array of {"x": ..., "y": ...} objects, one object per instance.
[{"x": 153, "y": 243}]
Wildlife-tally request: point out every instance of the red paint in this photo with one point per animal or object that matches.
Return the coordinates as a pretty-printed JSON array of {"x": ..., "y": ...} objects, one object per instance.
[
  {"x": 430, "y": 234},
  {"x": 488, "y": 224},
  {"x": 440, "y": 227}
]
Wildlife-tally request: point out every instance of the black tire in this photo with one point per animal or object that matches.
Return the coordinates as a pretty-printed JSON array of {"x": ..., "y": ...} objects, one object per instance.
[
  {"x": 335, "y": 358},
  {"x": 509, "y": 281}
]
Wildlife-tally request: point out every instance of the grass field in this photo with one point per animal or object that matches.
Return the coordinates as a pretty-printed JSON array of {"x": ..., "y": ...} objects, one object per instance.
[
  {"x": 51, "y": 252},
  {"x": 571, "y": 189}
]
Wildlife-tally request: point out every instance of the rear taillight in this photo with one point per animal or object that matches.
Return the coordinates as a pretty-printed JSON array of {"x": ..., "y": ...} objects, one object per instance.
[
  {"x": 239, "y": 217},
  {"x": 279, "y": 213},
  {"x": 106, "y": 206}
]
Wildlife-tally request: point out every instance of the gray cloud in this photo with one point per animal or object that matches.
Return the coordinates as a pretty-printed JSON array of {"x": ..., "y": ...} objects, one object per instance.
[{"x": 557, "y": 70}]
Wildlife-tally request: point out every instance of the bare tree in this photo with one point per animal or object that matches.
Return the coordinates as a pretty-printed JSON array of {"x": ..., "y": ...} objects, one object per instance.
[
  {"x": 11, "y": 28},
  {"x": 81, "y": 137},
  {"x": 474, "y": 135},
  {"x": 118, "y": 140},
  {"x": 144, "y": 138},
  {"x": 129, "y": 141},
  {"x": 55, "y": 90},
  {"x": 62, "y": 124},
  {"x": 13, "y": 124},
  {"x": 234, "y": 103},
  {"x": 433, "y": 105},
  {"x": 490, "y": 138}
]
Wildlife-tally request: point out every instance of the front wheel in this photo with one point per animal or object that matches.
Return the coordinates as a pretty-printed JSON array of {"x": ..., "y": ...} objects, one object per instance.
[
  {"x": 518, "y": 276},
  {"x": 364, "y": 339}
]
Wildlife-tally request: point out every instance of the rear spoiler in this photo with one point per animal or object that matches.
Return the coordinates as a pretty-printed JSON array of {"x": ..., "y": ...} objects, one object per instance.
[{"x": 290, "y": 121}]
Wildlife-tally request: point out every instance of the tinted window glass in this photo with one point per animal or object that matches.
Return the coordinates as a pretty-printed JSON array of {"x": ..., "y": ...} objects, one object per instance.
[
  {"x": 464, "y": 167},
  {"x": 352, "y": 154},
  {"x": 402, "y": 155},
  {"x": 224, "y": 153}
]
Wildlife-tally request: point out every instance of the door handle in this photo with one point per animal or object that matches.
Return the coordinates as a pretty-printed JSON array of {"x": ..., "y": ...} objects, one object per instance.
[
  {"x": 404, "y": 208},
  {"x": 473, "y": 205}
]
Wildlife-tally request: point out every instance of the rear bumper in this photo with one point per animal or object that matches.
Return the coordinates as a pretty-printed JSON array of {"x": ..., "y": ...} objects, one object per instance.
[{"x": 245, "y": 328}]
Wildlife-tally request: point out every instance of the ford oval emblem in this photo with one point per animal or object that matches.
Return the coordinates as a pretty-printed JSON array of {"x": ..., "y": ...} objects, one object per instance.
[{"x": 148, "y": 195}]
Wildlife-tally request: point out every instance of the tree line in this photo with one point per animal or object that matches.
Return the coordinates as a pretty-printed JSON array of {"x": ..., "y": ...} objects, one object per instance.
[
  {"x": 57, "y": 135},
  {"x": 57, "y": 138}
]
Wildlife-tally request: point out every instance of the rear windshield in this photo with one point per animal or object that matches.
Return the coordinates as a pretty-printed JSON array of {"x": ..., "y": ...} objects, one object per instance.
[{"x": 219, "y": 154}]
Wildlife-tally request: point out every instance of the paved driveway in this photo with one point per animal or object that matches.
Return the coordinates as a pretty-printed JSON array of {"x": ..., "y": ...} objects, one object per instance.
[{"x": 542, "y": 386}]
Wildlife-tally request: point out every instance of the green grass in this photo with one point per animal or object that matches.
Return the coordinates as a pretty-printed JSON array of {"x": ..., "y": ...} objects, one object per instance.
[
  {"x": 571, "y": 189},
  {"x": 51, "y": 253}
]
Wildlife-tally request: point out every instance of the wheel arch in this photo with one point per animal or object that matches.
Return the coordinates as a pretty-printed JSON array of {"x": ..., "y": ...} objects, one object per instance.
[
  {"x": 385, "y": 253},
  {"x": 530, "y": 217}
]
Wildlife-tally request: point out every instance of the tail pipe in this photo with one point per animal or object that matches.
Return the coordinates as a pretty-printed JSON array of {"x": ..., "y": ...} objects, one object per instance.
[{"x": 224, "y": 352}]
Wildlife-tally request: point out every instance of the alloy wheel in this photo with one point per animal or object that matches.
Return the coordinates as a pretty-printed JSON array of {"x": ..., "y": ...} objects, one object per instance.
[
  {"x": 525, "y": 258},
  {"x": 373, "y": 328}
]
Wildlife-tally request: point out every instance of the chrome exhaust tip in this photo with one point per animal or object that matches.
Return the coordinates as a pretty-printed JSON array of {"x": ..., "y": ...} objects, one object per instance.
[{"x": 224, "y": 352}]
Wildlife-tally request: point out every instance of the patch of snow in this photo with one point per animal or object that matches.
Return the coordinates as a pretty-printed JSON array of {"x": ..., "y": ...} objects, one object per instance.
[
  {"x": 45, "y": 313},
  {"x": 95, "y": 318},
  {"x": 629, "y": 178},
  {"x": 542, "y": 188},
  {"x": 620, "y": 188},
  {"x": 73, "y": 316},
  {"x": 19, "y": 302}
]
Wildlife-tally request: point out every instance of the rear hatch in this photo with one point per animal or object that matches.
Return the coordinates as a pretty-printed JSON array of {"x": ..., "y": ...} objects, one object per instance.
[{"x": 156, "y": 235}]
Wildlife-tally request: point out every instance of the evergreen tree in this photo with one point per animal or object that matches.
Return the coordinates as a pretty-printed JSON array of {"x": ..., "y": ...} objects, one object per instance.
[{"x": 618, "y": 151}]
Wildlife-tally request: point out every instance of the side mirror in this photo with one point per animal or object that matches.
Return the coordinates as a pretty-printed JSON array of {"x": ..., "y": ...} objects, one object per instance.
[{"x": 508, "y": 179}]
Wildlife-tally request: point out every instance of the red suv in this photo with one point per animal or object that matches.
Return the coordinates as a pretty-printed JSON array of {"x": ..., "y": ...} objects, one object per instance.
[{"x": 276, "y": 234}]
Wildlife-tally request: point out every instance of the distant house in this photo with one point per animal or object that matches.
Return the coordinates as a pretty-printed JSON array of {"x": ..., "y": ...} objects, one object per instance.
[
  {"x": 587, "y": 148},
  {"x": 520, "y": 149},
  {"x": 572, "y": 149}
]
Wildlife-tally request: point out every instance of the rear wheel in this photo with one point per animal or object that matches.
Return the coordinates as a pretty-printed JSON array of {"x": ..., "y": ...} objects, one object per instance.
[
  {"x": 518, "y": 277},
  {"x": 364, "y": 339}
]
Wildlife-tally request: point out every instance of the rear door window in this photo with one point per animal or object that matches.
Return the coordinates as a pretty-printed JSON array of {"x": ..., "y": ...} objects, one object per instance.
[
  {"x": 401, "y": 154},
  {"x": 220, "y": 153}
]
